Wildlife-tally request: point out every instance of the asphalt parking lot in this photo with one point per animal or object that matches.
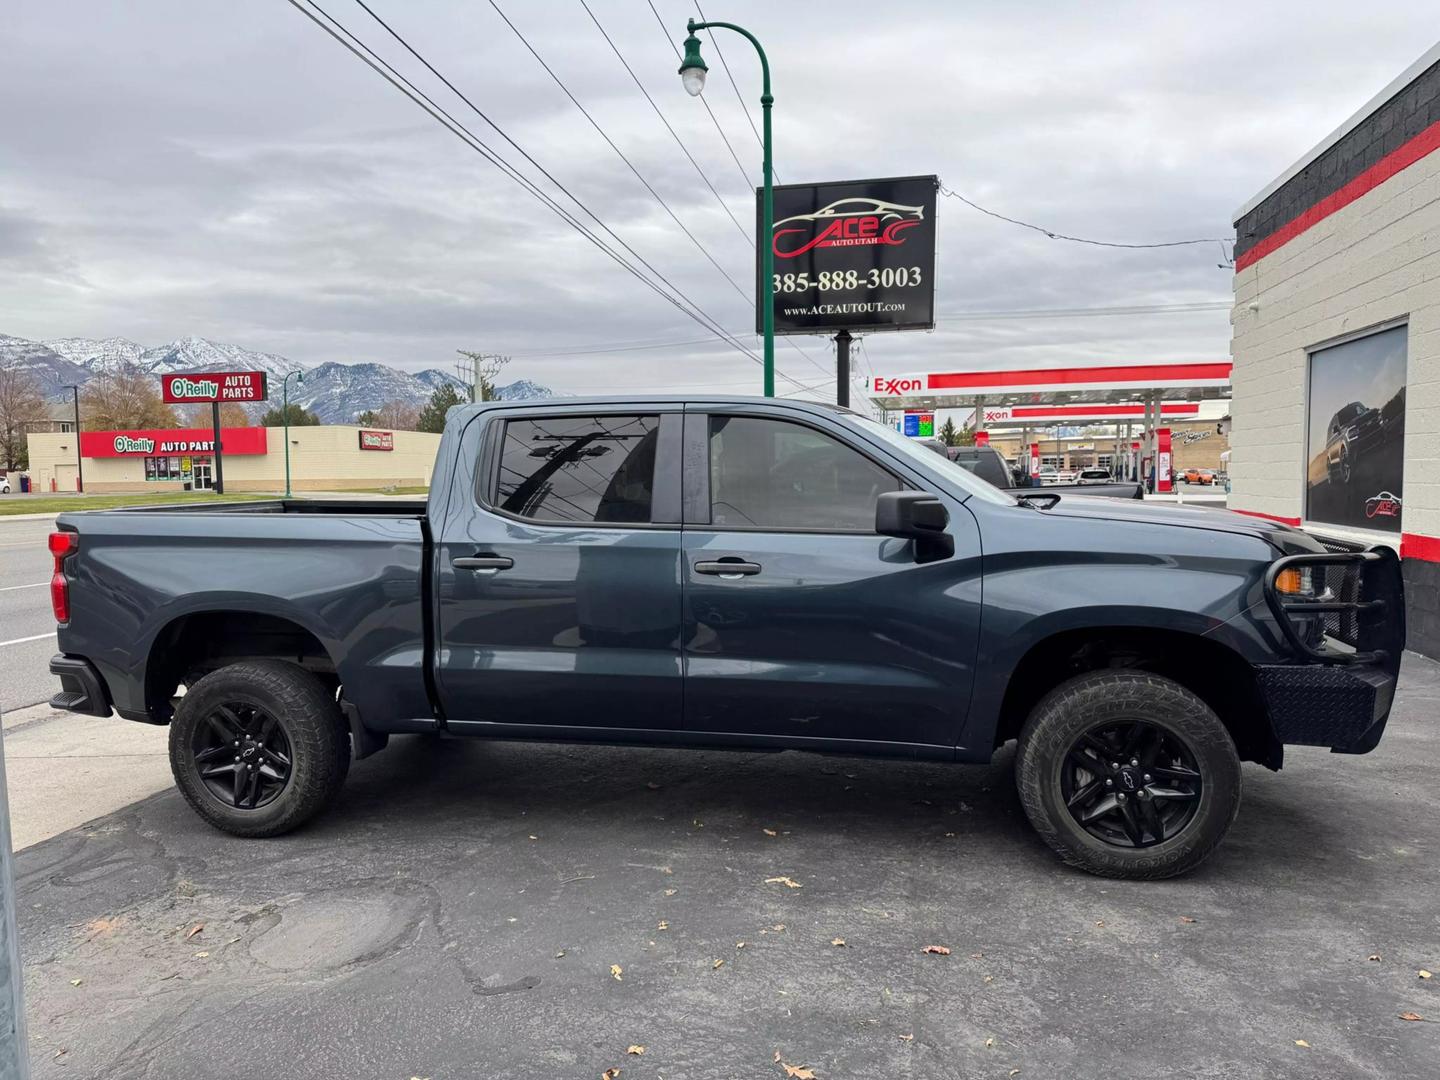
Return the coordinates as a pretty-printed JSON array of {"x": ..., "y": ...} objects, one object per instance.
[{"x": 531, "y": 911}]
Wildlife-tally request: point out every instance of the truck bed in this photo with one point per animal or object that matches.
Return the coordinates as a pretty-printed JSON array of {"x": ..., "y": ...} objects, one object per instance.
[{"x": 341, "y": 507}]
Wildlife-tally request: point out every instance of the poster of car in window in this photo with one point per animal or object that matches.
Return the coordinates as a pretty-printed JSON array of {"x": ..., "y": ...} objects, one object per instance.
[
  {"x": 1357, "y": 433},
  {"x": 851, "y": 255}
]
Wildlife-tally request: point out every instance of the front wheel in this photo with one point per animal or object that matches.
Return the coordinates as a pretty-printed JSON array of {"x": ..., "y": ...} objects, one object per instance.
[
  {"x": 259, "y": 748},
  {"x": 1127, "y": 774}
]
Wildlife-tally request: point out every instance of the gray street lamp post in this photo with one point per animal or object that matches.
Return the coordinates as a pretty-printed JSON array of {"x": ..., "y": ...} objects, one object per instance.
[{"x": 285, "y": 419}]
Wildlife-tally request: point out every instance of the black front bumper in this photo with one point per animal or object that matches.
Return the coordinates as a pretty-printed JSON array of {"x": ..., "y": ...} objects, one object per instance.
[
  {"x": 82, "y": 690},
  {"x": 1344, "y": 707}
]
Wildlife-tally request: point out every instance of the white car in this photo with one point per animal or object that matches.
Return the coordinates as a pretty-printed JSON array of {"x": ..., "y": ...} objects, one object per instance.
[{"x": 4, "y": 485}]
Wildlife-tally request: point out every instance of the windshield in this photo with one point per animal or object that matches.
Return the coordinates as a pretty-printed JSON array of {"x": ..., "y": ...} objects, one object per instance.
[{"x": 967, "y": 482}]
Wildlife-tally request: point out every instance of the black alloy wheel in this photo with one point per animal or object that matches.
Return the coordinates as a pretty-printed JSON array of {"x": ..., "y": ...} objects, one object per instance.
[
  {"x": 1131, "y": 783},
  {"x": 242, "y": 754}
]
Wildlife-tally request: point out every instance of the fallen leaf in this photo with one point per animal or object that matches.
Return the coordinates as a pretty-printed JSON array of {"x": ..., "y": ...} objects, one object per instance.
[
  {"x": 787, "y": 882},
  {"x": 740, "y": 944},
  {"x": 666, "y": 870},
  {"x": 1099, "y": 922},
  {"x": 609, "y": 1074},
  {"x": 559, "y": 954},
  {"x": 778, "y": 927},
  {"x": 197, "y": 928},
  {"x": 1013, "y": 1072},
  {"x": 1425, "y": 974},
  {"x": 989, "y": 1042},
  {"x": 76, "y": 982},
  {"x": 1373, "y": 956},
  {"x": 769, "y": 832},
  {"x": 798, "y": 1072},
  {"x": 1302, "y": 1042},
  {"x": 718, "y": 964},
  {"x": 662, "y": 925},
  {"x": 636, "y": 1050},
  {"x": 1411, "y": 1016},
  {"x": 777, "y": 1055},
  {"x": 616, "y": 971},
  {"x": 201, "y": 955},
  {"x": 989, "y": 978},
  {"x": 838, "y": 942},
  {"x": 534, "y": 837},
  {"x": 907, "y": 1038},
  {"x": 938, "y": 950},
  {"x": 671, "y": 892},
  {"x": 1186, "y": 919}
]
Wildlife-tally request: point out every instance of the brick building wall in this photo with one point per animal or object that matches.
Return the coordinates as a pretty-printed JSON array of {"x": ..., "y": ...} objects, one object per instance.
[{"x": 1348, "y": 243}]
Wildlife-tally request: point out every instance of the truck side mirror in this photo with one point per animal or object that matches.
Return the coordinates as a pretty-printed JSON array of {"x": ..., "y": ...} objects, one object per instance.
[{"x": 918, "y": 516}]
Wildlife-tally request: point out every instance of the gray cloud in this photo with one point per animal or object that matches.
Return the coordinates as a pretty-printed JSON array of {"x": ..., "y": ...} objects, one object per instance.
[{"x": 228, "y": 170}]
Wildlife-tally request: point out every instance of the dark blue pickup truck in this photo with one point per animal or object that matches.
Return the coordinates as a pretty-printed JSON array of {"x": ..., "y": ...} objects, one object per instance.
[{"x": 739, "y": 573}]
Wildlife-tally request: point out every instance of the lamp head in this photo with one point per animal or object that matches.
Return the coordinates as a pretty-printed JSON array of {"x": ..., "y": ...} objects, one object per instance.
[{"x": 693, "y": 68}]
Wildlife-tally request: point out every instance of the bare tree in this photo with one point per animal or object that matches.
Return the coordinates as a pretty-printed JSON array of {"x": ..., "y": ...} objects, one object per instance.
[
  {"x": 397, "y": 415},
  {"x": 232, "y": 414},
  {"x": 125, "y": 396},
  {"x": 21, "y": 403}
]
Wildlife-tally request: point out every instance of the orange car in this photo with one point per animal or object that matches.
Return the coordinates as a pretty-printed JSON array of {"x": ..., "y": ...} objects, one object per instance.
[{"x": 1199, "y": 476}]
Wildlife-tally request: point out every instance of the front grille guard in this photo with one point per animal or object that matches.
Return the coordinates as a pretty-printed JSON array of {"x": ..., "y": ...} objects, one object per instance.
[{"x": 1363, "y": 606}]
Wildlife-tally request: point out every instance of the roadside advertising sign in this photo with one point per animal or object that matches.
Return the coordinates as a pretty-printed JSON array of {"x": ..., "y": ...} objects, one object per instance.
[
  {"x": 213, "y": 386},
  {"x": 851, "y": 255},
  {"x": 377, "y": 440},
  {"x": 919, "y": 425},
  {"x": 1034, "y": 459}
]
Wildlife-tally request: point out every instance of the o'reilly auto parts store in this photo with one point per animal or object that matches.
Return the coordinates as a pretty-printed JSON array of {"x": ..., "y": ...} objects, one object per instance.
[
  {"x": 330, "y": 457},
  {"x": 1336, "y": 339}
]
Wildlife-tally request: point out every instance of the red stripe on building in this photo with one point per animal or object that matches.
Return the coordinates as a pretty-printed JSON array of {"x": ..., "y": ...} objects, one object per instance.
[
  {"x": 1401, "y": 158},
  {"x": 1097, "y": 410},
  {"x": 1146, "y": 374},
  {"x": 1267, "y": 517},
  {"x": 1424, "y": 548}
]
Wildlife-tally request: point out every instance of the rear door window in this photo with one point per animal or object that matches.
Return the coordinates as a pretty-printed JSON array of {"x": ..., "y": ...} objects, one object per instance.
[{"x": 598, "y": 469}]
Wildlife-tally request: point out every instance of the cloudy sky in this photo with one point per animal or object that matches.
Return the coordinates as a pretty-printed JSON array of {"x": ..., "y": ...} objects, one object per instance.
[{"x": 225, "y": 169}]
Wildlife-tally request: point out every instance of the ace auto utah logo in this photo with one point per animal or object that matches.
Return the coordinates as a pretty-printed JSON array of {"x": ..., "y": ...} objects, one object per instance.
[
  {"x": 846, "y": 223},
  {"x": 1382, "y": 505}
]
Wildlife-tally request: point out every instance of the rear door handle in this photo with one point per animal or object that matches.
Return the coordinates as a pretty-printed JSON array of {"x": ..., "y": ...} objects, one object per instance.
[
  {"x": 485, "y": 564},
  {"x": 728, "y": 568}
]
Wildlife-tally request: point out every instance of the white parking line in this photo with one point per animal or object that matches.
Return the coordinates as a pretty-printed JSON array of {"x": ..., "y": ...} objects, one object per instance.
[
  {"x": 12, "y": 588},
  {"x": 23, "y": 640}
]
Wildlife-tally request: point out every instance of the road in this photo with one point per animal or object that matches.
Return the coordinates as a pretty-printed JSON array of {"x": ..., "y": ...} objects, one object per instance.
[
  {"x": 459, "y": 911},
  {"x": 27, "y": 627}
]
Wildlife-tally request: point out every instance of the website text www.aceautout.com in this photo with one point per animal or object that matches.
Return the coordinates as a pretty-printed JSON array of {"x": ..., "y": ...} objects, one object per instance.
[{"x": 858, "y": 308}]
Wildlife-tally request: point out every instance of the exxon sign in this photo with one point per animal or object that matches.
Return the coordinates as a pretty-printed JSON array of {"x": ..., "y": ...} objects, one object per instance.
[
  {"x": 219, "y": 386},
  {"x": 897, "y": 385}
]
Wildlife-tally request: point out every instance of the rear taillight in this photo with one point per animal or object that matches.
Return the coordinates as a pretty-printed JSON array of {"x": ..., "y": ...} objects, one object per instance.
[{"x": 62, "y": 546}]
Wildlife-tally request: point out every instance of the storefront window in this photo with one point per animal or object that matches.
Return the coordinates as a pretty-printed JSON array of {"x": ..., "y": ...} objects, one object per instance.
[
  {"x": 163, "y": 468},
  {"x": 1356, "y": 417}
]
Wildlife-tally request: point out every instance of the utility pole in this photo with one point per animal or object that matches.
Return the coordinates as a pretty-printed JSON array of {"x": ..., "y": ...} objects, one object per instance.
[
  {"x": 479, "y": 371},
  {"x": 842, "y": 369},
  {"x": 79, "y": 459},
  {"x": 14, "y": 1057}
]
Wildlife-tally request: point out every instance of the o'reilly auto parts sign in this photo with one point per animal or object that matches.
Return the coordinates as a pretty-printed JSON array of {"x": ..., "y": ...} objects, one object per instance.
[
  {"x": 852, "y": 255},
  {"x": 213, "y": 386}
]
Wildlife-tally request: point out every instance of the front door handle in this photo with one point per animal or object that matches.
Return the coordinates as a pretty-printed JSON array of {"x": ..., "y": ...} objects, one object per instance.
[
  {"x": 728, "y": 567},
  {"x": 485, "y": 564}
]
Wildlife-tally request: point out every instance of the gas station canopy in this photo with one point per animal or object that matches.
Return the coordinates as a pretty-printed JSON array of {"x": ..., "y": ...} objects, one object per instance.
[{"x": 1058, "y": 395}]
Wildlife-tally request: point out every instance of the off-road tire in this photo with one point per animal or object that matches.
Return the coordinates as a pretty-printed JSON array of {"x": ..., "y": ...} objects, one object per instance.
[
  {"x": 1076, "y": 707},
  {"x": 319, "y": 742}
]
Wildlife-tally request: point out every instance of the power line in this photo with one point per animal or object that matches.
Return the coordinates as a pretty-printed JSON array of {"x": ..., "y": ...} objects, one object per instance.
[
  {"x": 678, "y": 141},
  {"x": 739, "y": 96},
  {"x": 446, "y": 120},
  {"x": 744, "y": 176},
  {"x": 629, "y": 164},
  {"x": 1075, "y": 239}
]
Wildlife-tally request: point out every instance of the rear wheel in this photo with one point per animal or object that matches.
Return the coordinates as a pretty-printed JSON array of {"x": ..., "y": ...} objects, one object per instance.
[
  {"x": 1127, "y": 774},
  {"x": 258, "y": 748}
]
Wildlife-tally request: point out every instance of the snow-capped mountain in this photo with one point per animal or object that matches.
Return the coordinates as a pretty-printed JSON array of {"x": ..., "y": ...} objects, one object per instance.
[
  {"x": 201, "y": 354},
  {"x": 97, "y": 353},
  {"x": 50, "y": 369},
  {"x": 337, "y": 393}
]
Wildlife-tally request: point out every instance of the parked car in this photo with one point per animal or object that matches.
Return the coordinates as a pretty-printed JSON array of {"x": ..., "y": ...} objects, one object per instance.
[
  {"x": 1352, "y": 431},
  {"x": 4, "y": 485},
  {"x": 1199, "y": 476},
  {"x": 990, "y": 465},
  {"x": 1094, "y": 476},
  {"x": 739, "y": 573}
]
